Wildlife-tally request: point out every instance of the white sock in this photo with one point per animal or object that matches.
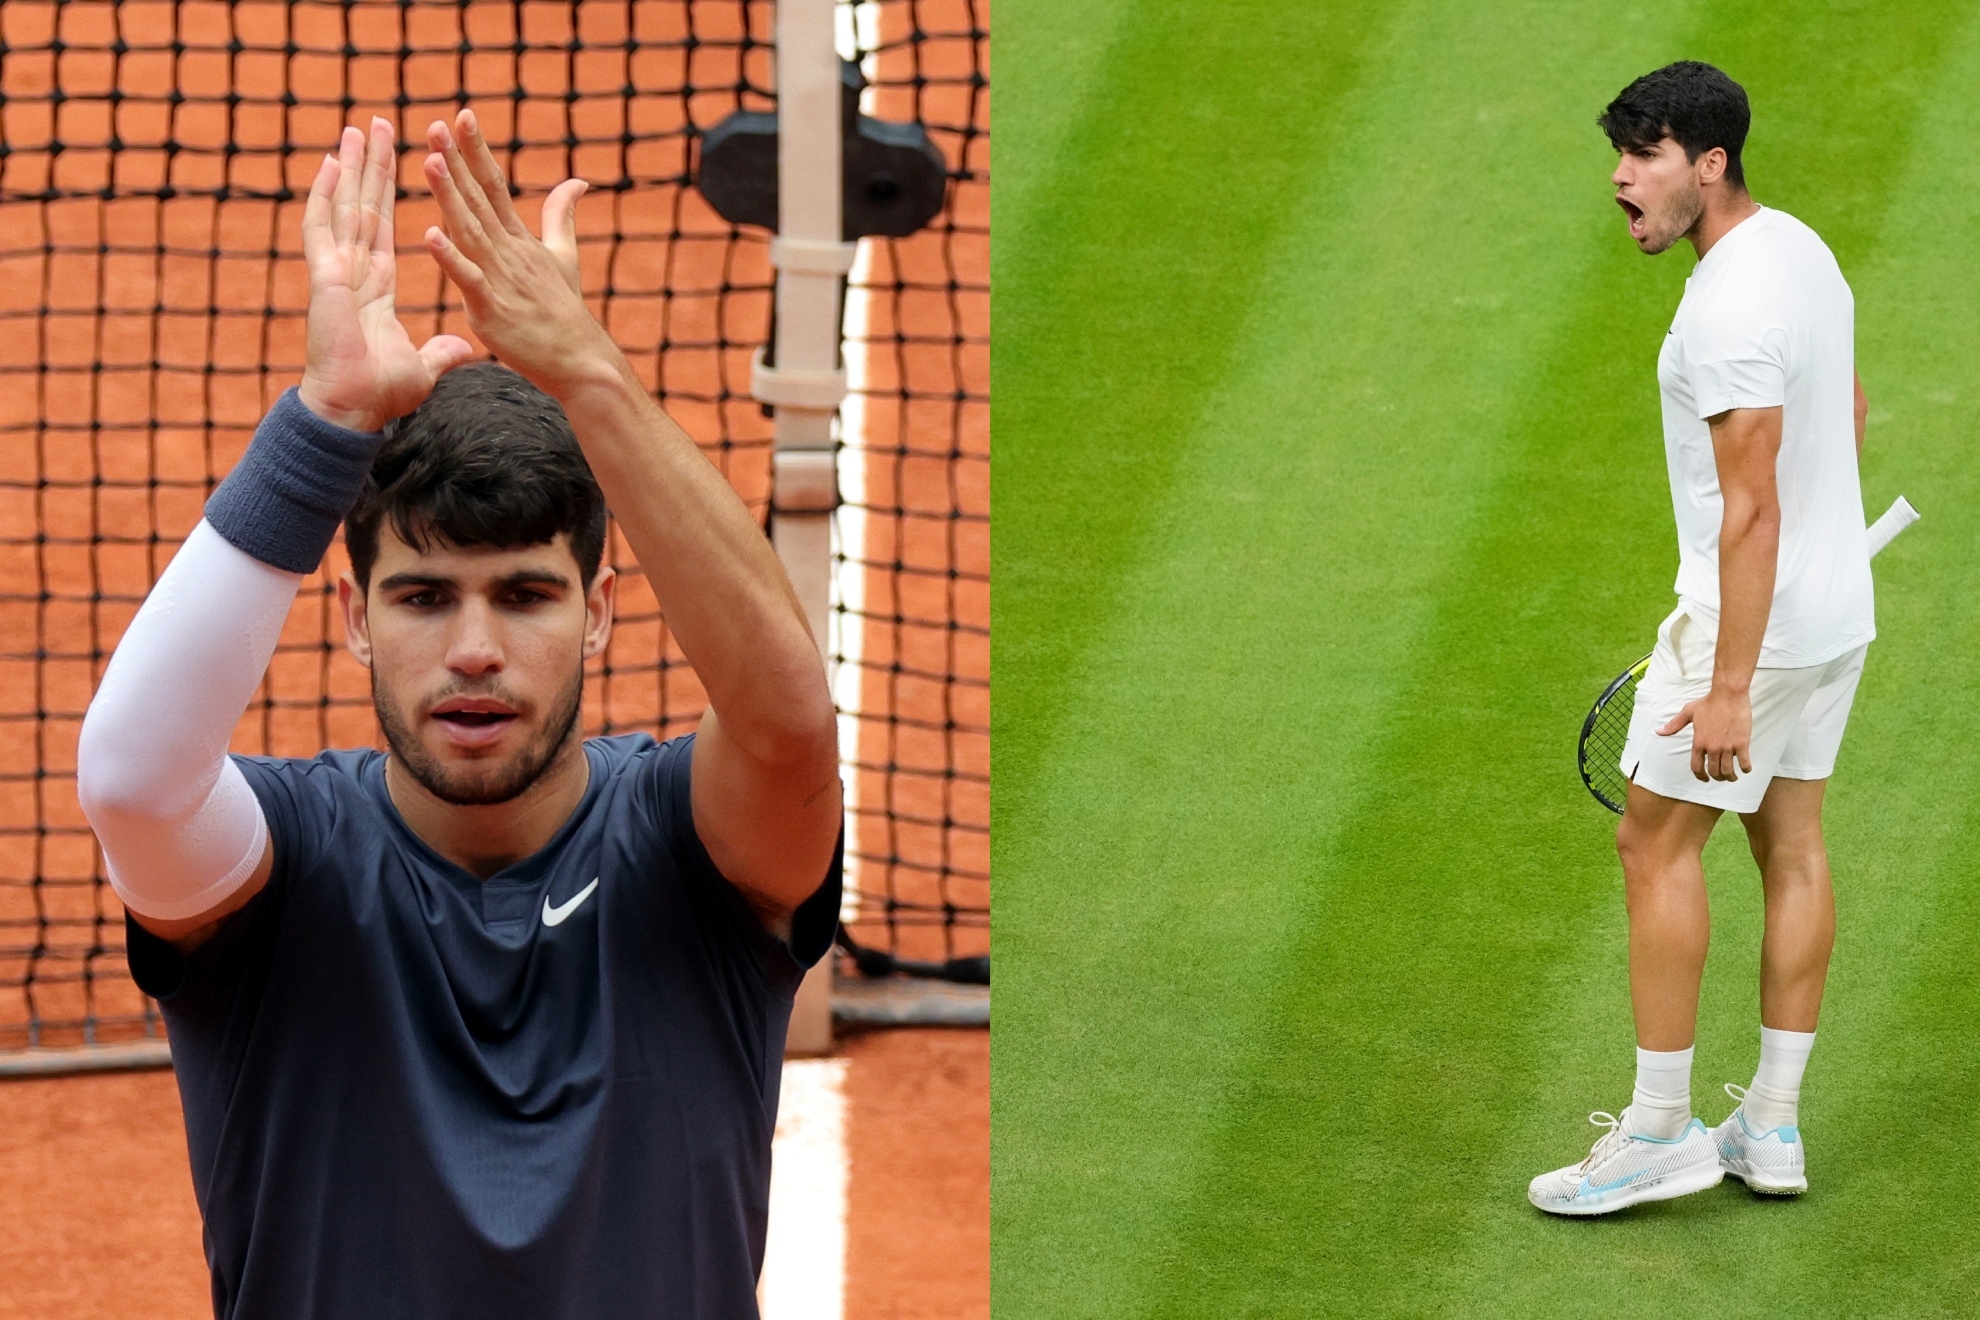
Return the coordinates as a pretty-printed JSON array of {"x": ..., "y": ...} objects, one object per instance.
[
  {"x": 1662, "y": 1103},
  {"x": 1774, "y": 1099}
]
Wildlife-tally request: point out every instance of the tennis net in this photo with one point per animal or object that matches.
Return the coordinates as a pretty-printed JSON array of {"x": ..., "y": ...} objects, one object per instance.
[{"x": 153, "y": 159}]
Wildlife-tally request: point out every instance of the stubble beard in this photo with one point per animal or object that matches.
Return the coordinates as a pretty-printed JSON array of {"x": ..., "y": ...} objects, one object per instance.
[
  {"x": 475, "y": 785},
  {"x": 1678, "y": 220}
]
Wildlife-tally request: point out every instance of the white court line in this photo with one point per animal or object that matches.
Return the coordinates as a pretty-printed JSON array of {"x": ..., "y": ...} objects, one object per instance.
[
  {"x": 804, "y": 1261},
  {"x": 848, "y": 639},
  {"x": 858, "y": 34}
]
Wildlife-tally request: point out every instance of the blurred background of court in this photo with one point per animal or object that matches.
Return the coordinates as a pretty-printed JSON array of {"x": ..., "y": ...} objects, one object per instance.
[{"x": 151, "y": 306}]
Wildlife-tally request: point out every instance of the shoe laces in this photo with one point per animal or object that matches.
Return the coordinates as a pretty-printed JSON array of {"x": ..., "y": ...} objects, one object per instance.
[
  {"x": 1738, "y": 1093},
  {"x": 1608, "y": 1141}
]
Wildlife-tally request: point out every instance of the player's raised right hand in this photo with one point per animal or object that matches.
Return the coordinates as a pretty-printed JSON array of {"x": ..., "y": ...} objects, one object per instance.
[{"x": 362, "y": 369}]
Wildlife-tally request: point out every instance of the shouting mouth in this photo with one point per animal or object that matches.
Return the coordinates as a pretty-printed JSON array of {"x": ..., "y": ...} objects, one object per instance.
[
  {"x": 474, "y": 721},
  {"x": 1635, "y": 214}
]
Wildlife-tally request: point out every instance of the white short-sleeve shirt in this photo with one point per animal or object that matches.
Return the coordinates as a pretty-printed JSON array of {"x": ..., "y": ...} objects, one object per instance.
[{"x": 1767, "y": 319}]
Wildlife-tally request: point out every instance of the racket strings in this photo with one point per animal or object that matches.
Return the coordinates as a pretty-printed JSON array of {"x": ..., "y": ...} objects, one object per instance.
[{"x": 1602, "y": 741}]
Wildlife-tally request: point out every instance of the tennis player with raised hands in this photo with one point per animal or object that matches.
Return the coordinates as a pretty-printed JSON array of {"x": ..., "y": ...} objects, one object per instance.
[
  {"x": 490, "y": 1024},
  {"x": 1749, "y": 688}
]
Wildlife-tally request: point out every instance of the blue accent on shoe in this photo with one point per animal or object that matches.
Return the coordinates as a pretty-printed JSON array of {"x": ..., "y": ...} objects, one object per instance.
[
  {"x": 1698, "y": 1123},
  {"x": 1789, "y": 1133}
]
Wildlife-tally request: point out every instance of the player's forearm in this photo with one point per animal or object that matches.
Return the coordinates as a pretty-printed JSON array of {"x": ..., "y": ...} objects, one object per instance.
[
  {"x": 720, "y": 586},
  {"x": 719, "y": 583},
  {"x": 1746, "y": 446},
  {"x": 180, "y": 828},
  {"x": 1749, "y": 547}
]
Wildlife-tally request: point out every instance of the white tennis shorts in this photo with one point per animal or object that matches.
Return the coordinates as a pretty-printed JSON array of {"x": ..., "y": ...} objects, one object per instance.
[{"x": 1798, "y": 719}]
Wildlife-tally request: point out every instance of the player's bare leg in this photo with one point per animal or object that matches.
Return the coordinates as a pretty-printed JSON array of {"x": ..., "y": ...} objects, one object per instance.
[
  {"x": 1662, "y": 842},
  {"x": 1786, "y": 837},
  {"x": 1654, "y": 1150},
  {"x": 1760, "y": 1142}
]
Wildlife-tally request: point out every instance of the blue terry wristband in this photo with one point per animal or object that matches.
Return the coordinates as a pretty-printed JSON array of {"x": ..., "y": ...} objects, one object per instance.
[{"x": 300, "y": 476}]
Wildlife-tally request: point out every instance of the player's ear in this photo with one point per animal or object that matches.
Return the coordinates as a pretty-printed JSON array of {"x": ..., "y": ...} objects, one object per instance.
[
  {"x": 599, "y": 601},
  {"x": 357, "y": 621},
  {"x": 1712, "y": 165}
]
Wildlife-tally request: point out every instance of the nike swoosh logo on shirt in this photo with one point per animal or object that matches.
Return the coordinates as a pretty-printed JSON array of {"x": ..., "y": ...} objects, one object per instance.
[{"x": 555, "y": 915}]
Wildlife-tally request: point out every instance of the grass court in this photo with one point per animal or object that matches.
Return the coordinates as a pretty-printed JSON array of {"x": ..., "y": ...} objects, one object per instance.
[{"x": 1330, "y": 492}]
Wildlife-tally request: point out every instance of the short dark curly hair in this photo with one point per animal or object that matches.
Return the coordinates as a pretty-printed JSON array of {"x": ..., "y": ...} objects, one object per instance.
[
  {"x": 487, "y": 460},
  {"x": 1692, "y": 102}
]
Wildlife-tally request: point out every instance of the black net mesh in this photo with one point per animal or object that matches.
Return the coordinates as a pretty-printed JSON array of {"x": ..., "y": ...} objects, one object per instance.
[
  {"x": 153, "y": 159},
  {"x": 913, "y": 635}
]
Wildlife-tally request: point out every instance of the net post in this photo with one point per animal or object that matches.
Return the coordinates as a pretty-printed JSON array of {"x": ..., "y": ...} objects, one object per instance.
[{"x": 808, "y": 381}]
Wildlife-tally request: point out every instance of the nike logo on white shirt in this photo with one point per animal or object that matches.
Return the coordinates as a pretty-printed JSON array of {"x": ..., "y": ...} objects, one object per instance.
[{"x": 554, "y": 916}]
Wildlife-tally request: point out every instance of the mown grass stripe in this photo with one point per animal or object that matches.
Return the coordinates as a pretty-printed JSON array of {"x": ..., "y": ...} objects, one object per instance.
[
  {"x": 1159, "y": 223},
  {"x": 1311, "y": 945},
  {"x": 1127, "y": 269}
]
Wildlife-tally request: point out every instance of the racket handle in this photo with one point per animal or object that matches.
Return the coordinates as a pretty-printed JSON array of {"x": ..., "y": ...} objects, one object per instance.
[{"x": 1896, "y": 518}]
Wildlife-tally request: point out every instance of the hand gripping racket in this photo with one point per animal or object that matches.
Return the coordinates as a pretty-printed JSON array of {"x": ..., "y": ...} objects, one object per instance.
[{"x": 1606, "y": 729}]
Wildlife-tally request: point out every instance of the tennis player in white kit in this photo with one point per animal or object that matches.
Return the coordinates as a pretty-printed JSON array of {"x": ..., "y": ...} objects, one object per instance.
[{"x": 1749, "y": 689}]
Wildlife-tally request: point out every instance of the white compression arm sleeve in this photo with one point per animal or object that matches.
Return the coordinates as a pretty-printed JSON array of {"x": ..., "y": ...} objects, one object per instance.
[{"x": 180, "y": 828}]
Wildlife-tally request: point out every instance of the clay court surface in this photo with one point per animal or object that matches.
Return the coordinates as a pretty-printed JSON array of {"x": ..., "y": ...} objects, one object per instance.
[{"x": 103, "y": 1227}]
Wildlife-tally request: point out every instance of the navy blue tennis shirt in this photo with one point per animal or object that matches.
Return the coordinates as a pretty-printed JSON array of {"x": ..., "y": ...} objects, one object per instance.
[{"x": 410, "y": 1092}]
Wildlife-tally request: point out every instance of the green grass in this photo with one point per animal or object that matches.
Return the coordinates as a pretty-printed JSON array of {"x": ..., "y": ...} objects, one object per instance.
[{"x": 1329, "y": 492}]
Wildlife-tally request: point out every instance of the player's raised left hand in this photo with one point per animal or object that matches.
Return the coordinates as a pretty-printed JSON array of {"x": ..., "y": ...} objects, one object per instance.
[
  {"x": 521, "y": 292},
  {"x": 362, "y": 368}
]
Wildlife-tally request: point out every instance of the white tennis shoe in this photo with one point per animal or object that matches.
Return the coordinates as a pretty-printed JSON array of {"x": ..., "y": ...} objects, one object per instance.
[
  {"x": 1626, "y": 1168},
  {"x": 1772, "y": 1162}
]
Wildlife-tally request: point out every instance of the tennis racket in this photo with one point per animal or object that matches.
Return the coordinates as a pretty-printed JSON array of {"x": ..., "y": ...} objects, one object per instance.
[{"x": 1606, "y": 729}]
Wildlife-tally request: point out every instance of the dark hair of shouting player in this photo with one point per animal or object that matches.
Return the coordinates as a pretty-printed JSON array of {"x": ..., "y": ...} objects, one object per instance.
[{"x": 489, "y": 1024}]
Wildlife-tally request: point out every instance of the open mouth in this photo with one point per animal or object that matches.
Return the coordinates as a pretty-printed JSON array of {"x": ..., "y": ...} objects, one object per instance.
[
  {"x": 474, "y": 719},
  {"x": 1635, "y": 214}
]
